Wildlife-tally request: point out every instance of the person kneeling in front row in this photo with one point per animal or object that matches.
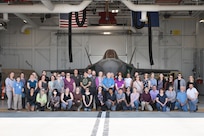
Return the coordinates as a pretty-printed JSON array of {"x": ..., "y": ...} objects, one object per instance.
[
  {"x": 161, "y": 100},
  {"x": 41, "y": 100},
  {"x": 111, "y": 100},
  {"x": 87, "y": 99},
  {"x": 146, "y": 100},
  {"x": 181, "y": 99},
  {"x": 66, "y": 99},
  {"x": 55, "y": 100}
]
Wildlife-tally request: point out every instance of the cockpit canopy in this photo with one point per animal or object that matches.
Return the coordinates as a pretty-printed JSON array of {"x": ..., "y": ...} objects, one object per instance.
[{"x": 110, "y": 54}]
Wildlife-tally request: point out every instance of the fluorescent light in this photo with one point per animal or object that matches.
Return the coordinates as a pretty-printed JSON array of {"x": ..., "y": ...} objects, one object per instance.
[
  {"x": 106, "y": 33},
  {"x": 201, "y": 21},
  {"x": 25, "y": 21}
]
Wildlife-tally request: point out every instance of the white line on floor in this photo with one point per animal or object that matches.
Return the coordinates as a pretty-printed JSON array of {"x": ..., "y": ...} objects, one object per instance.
[{"x": 101, "y": 124}]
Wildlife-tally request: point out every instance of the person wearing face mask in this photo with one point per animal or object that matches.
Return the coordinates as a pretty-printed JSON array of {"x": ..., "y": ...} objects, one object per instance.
[{"x": 55, "y": 100}]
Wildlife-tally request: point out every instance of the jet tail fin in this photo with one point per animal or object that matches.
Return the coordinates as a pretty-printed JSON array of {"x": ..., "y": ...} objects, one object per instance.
[
  {"x": 132, "y": 55},
  {"x": 88, "y": 56}
]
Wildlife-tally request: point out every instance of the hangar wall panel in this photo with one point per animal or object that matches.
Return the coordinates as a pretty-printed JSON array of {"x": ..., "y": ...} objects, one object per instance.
[{"x": 173, "y": 47}]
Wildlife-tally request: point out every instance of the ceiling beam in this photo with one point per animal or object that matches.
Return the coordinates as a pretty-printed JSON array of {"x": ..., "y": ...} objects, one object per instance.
[
  {"x": 48, "y": 4},
  {"x": 135, "y": 7},
  {"x": 40, "y": 8}
]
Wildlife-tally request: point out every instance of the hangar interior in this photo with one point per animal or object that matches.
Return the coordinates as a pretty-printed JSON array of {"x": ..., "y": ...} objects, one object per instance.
[{"x": 31, "y": 38}]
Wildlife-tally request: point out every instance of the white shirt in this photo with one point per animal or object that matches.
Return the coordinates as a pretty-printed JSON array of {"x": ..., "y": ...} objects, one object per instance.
[
  {"x": 192, "y": 93},
  {"x": 128, "y": 82}
]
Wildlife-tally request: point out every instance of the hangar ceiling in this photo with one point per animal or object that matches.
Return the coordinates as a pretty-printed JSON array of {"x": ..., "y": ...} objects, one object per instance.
[{"x": 48, "y": 17}]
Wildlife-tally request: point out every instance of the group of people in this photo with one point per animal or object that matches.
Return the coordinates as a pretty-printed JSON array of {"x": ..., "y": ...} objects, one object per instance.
[{"x": 63, "y": 91}]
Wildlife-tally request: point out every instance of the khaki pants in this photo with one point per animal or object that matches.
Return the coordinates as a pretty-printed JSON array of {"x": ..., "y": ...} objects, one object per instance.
[
  {"x": 9, "y": 94},
  {"x": 146, "y": 106},
  {"x": 17, "y": 101}
]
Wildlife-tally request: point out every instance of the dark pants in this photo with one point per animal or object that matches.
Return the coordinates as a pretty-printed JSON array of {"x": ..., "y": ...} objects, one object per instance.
[
  {"x": 154, "y": 106},
  {"x": 160, "y": 107},
  {"x": 54, "y": 108},
  {"x": 23, "y": 102},
  {"x": 98, "y": 105},
  {"x": 171, "y": 105},
  {"x": 39, "y": 107},
  {"x": 121, "y": 106}
]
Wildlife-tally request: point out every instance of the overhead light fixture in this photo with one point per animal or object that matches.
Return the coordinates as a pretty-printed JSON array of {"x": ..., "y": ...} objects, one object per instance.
[
  {"x": 201, "y": 21},
  {"x": 115, "y": 11},
  {"x": 143, "y": 16},
  {"x": 24, "y": 21},
  {"x": 106, "y": 33}
]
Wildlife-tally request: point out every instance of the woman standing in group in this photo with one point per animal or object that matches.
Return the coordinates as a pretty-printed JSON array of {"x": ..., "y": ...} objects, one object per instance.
[
  {"x": 69, "y": 83},
  {"x": 138, "y": 84},
  {"x": 128, "y": 81},
  {"x": 17, "y": 94},
  {"x": 191, "y": 80},
  {"x": 170, "y": 82},
  {"x": 99, "y": 79},
  {"x": 23, "y": 81},
  {"x": 9, "y": 89},
  {"x": 43, "y": 84},
  {"x": 161, "y": 82},
  {"x": 50, "y": 87},
  {"x": 119, "y": 82},
  {"x": 32, "y": 83},
  {"x": 59, "y": 84}
]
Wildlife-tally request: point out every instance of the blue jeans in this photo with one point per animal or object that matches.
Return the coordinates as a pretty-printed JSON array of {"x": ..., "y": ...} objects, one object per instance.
[
  {"x": 159, "y": 107},
  {"x": 66, "y": 107},
  {"x": 136, "y": 104},
  {"x": 171, "y": 105},
  {"x": 183, "y": 108},
  {"x": 192, "y": 104},
  {"x": 87, "y": 109},
  {"x": 110, "y": 106}
]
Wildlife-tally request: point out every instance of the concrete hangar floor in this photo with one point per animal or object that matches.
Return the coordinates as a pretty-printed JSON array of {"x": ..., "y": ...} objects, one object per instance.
[
  {"x": 102, "y": 124},
  {"x": 130, "y": 123}
]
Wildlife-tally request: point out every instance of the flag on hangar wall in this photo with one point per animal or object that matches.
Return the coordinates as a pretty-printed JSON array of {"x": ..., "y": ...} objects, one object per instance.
[
  {"x": 153, "y": 15},
  {"x": 64, "y": 20}
]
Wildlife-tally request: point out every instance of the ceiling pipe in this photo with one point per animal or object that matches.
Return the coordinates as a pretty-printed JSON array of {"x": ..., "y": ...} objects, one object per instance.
[
  {"x": 135, "y": 7},
  {"x": 48, "y": 4},
  {"x": 84, "y": 29},
  {"x": 40, "y": 8},
  {"x": 24, "y": 17}
]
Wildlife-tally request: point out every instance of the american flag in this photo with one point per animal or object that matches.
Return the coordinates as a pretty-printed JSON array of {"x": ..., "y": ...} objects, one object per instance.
[{"x": 64, "y": 20}]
